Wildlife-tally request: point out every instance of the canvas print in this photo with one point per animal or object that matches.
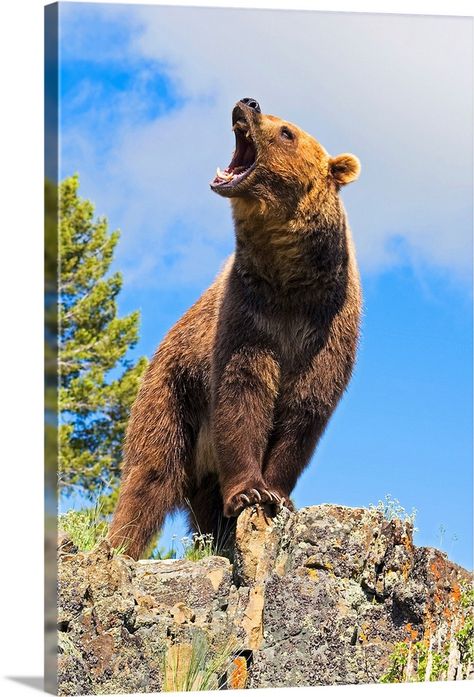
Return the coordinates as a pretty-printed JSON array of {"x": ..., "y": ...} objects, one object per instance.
[{"x": 258, "y": 348}]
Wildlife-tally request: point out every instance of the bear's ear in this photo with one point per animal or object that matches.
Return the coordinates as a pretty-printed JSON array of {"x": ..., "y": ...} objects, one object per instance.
[{"x": 344, "y": 168}]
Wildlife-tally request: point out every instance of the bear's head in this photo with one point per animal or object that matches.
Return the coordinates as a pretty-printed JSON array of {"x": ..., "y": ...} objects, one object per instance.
[{"x": 278, "y": 164}]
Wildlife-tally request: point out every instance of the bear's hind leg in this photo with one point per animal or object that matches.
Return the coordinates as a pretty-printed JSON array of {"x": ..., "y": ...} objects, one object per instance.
[
  {"x": 158, "y": 450},
  {"x": 145, "y": 499}
]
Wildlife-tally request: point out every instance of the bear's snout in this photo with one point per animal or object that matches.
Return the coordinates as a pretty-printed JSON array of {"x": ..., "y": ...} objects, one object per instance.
[{"x": 252, "y": 103}]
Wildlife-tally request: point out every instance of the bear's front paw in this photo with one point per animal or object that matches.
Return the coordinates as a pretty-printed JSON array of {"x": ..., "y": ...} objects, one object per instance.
[
  {"x": 283, "y": 499},
  {"x": 249, "y": 496}
]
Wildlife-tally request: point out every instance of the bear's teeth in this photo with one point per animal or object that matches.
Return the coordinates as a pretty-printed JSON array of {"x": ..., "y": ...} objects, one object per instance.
[{"x": 223, "y": 175}]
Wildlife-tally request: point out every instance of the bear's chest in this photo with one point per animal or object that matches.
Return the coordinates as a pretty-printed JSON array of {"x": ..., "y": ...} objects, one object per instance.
[{"x": 292, "y": 335}]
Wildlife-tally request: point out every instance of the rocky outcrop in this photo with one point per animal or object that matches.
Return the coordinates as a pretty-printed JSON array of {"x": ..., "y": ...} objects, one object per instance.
[{"x": 317, "y": 597}]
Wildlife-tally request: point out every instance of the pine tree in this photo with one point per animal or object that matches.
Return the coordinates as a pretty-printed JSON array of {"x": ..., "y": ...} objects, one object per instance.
[{"x": 97, "y": 382}]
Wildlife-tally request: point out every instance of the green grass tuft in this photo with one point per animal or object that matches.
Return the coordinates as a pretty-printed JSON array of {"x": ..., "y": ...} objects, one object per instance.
[
  {"x": 196, "y": 667},
  {"x": 86, "y": 527}
]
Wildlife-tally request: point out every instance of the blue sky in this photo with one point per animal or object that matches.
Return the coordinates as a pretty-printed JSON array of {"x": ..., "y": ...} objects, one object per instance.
[{"x": 146, "y": 96}]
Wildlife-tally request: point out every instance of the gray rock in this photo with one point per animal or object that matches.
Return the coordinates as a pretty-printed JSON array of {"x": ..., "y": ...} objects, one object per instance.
[{"x": 316, "y": 597}]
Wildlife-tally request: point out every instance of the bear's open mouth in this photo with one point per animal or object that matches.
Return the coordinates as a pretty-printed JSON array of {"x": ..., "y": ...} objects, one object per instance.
[{"x": 243, "y": 160}]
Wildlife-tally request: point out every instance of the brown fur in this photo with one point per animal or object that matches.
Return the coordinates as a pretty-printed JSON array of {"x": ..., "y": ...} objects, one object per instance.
[{"x": 242, "y": 387}]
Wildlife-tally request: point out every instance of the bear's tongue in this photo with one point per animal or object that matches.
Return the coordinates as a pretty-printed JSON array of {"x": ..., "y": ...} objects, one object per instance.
[{"x": 244, "y": 157}]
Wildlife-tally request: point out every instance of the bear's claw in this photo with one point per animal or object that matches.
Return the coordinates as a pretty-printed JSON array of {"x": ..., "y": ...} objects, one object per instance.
[{"x": 249, "y": 497}]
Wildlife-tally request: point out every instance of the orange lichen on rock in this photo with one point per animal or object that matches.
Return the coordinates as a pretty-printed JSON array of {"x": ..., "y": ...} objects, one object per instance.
[
  {"x": 363, "y": 633},
  {"x": 411, "y": 632},
  {"x": 406, "y": 569},
  {"x": 456, "y": 593},
  {"x": 437, "y": 567},
  {"x": 238, "y": 673}
]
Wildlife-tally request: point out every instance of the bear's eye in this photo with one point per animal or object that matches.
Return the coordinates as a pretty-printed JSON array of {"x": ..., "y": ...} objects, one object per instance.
[{"x": 286, "y": 133}]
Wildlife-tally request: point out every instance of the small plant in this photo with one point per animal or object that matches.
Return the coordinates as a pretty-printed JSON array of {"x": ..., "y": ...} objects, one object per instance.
[
  {"x": 465, "y": 636},
  {"x": 198, "y": 546},
  {"x": 439, "y": 666},
  {"x": 190, "y": 667},
  {"x": 445, "y": 542},
  {"x": 391, "y": 509},
  {"x": 421, "y": 653},
  {"x": 398, "y": 663},
  {"x": 85, "y": 527},
  {"x": 206, "y": 544},
  {"x": 442, "y": 533},
  {"x": 416, "y": 662},
  {"x": 160, "y": 553}
]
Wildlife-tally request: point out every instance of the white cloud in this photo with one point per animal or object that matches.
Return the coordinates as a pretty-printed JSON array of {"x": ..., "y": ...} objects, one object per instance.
[{"x": 396, "y": 90}]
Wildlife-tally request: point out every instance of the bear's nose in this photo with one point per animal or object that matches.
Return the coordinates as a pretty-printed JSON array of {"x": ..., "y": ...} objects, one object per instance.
[{"x": 252, "y": 103}]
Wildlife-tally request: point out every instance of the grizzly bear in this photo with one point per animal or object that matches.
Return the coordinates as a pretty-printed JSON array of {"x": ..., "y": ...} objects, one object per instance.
[{"x": 240, "y": 390}]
